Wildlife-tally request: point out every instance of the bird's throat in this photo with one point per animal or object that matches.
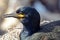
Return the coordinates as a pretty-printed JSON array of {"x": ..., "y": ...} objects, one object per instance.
[{"x": 29, "y": 30}]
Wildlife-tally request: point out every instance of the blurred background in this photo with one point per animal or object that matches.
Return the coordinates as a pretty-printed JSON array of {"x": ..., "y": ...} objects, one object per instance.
[{"x": 10, "y": 28}]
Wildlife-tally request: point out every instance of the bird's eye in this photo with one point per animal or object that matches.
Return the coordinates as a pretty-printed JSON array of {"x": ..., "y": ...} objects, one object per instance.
[{"x": 21, "y": 15}]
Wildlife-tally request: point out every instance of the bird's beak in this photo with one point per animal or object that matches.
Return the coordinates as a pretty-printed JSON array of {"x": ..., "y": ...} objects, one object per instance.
[{"x": 20, "y": 15}]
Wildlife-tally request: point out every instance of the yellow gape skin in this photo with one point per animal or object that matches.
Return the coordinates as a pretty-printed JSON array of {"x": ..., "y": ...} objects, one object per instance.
[{"x": 21, "y": 15}]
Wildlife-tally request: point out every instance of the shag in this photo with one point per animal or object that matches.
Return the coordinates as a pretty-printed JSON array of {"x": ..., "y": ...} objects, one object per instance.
[
  {"x": 31, "y": 22},
  {"x": 32, "y": 30}
]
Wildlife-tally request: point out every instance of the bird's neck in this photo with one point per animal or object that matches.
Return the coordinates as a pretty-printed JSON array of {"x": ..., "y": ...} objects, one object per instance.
[{"x": 29, "y": 30}]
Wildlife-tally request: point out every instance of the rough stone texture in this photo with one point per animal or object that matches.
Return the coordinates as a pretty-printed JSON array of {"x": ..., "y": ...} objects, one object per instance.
[{"x": 12, "y": 34}]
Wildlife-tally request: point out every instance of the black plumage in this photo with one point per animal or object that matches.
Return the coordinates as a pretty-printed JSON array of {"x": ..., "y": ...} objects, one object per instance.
[
  {"x": 32, "y": 29},
  {"x": 31, "y": 22}
]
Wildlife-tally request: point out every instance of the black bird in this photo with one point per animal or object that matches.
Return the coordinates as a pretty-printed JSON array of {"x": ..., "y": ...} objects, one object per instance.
[
  {"x": 32, "y": 30},
  {"x": 31, "y": 22}
]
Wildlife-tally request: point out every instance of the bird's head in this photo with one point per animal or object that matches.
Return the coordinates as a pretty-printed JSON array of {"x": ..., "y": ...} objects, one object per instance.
[{"x": 27, "y": 16}]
